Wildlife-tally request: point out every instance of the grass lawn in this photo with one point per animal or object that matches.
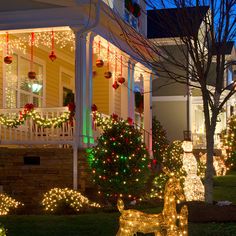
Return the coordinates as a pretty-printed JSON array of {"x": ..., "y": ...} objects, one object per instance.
[
  {"x": 225, "y": 187},
  {"x": 98, "y": 224},
  {"x": 106, "y": 224}
]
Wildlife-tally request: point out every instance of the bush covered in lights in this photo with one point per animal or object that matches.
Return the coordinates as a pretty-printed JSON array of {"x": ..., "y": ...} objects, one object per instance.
[
  {"x": 7, "y": 203},
  {"x": 229, "y": 142},
  {"x": 173, "y": 163},
  {"x": 120, "y": 160},
  {"x": 159, "y": 141},
  {"x": 2, "y": 231},
  {"x": 58, "y": 200}
]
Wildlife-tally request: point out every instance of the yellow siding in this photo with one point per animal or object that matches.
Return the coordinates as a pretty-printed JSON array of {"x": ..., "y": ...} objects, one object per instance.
[
  {"x": 117, "y": 105},
  {"x": 53, "y": 76},
  {"x": 1, "y": 81},
  {"x": 101, "y": 89}
]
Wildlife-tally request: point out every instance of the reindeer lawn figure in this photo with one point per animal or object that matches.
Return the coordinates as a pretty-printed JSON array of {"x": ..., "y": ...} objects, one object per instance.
[{"x": 167, "y": 223}]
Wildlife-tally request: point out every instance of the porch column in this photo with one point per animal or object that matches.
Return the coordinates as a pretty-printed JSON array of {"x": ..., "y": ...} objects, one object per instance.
[
  {"x": 148, "y": 111},
  {"x": 89, "y": 139},
  {"x": 124, "y": 94},
  {"x": 80, "y": 99},
  {"x": 131, "y": 105}
]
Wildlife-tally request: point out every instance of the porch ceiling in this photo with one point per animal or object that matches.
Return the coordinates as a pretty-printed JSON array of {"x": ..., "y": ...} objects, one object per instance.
[{"x": 13, "y": 5}]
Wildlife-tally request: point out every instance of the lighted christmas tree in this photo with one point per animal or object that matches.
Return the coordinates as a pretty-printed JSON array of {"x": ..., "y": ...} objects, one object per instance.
[
  {"x": 173, "y": 163},
  {"x": 120, "y": 159},
  {"x": 229, "y": 143},
  {"x": 159, "y": 141}
]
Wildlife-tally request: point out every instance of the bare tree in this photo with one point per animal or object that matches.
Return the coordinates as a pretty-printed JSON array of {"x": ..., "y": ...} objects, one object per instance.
[{"x": 201, "y": 31}]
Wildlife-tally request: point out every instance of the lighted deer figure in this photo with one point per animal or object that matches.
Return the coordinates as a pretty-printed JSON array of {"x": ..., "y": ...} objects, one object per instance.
[{"x": 167, "y": 223}]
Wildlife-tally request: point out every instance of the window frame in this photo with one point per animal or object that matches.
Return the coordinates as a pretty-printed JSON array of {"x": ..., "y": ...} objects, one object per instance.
[{"x": 20, "y": 58}]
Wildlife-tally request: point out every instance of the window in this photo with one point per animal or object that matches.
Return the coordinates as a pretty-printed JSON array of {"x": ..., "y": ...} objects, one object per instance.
[
  {"x": 109, "y": 3},
  {"x": 229, "y": 75},
  {"x": 132, "y": 11},
  {"x": 66, "y": 87},
  {"x": 19, "y": 89}
]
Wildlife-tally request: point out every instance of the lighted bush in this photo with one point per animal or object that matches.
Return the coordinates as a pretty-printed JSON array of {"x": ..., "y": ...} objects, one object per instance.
[
  {"x": 172, "y": 161},
  {"x": 2, "y": 231},
  {"x": 58, "y": 198},
  {"x": 7, "y": 203},
  {"x": 229, "y": 142}
]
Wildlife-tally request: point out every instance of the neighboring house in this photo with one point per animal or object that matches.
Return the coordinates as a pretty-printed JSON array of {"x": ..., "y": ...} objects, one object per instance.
[
  {"x": 177, "y": 106},
  {"x": 83, "y": 35}
]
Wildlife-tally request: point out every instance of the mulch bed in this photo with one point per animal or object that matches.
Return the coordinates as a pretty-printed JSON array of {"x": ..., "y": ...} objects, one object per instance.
[{"x": 202, "y": 212}]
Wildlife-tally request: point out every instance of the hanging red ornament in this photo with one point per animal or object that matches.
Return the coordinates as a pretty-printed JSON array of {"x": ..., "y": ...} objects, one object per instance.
[
  {"x": 8, "y": 58},
  {"x": 115, "y": 85},
  {"x": 120, "y": 78},
  {"x": 99, "y": 61},
  {"x": 94, "y": 73},
  {"x": 52, "y": 55},
  {"x": 94, "y": 107},
  {"x": 32, "y": 74},
  {"x": 108, "y": 73},
  {"x": 130, "y": 121}
]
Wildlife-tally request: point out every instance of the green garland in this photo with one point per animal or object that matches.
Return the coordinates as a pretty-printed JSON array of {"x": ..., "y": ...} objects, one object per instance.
[{"x": 29, "y": 112}]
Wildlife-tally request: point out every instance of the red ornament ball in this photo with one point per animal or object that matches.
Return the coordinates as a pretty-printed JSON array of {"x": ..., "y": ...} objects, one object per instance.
[
  {"x": 107, "y": 74},
  {"x": 121, "y": 79},
  {"x": 115, "y": 85},
  {"x": 94, "y": 73},
  {"x": 52, "y": 56},
  {"x": 94, "y": 107},
  {"x": 8, "y": 59},
  {"x": 31, "y": 75},
  {"x": 99, "y": 63}
]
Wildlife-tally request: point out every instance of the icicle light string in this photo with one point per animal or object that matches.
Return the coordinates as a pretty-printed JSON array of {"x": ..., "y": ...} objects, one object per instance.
[
  {"x": 62, "y": 39},
  {"x": 7, "y": 43},
  {"x": 32, "y": 52}
]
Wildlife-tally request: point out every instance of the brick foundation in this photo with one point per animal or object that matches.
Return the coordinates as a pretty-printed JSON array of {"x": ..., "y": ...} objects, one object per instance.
[{"x": 28, "y": 183}]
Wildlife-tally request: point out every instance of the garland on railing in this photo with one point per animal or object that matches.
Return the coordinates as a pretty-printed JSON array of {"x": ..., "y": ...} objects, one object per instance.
[{"x": 30, "y": 112}]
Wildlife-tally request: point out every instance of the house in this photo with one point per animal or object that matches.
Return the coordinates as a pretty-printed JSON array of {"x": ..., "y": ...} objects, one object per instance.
[
  {"x": 54, "y": 53},
  {"x": 177, "y": 106}
]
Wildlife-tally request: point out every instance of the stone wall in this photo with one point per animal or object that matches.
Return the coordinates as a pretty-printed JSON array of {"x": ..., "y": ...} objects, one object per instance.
[{"x": 28, "y": 182}]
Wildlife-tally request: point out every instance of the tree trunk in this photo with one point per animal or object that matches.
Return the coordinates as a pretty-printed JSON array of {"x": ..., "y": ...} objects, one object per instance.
[
  {"x": 209, "y": 167},
  {"x": 210, "y": 130}
]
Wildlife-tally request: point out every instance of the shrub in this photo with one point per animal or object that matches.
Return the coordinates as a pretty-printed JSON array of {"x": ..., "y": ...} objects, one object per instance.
[
  {"x": 7, "y": 203},
  {"x": 2, "y": 230},
  {"x": 58, "y": 200},
  {"x": 173, "y": 163},
  {"x": 229, "y": 142}
]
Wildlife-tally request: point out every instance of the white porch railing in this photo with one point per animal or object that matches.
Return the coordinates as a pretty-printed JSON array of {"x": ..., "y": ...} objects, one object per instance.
[{"x": 31, "y": 133}]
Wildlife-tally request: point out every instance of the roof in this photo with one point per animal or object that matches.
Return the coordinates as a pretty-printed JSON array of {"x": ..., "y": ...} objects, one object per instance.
[
  {"x": 174, "y": 22},
  {"x": 227, "y": 50},
  {"x": 20, "y": 5}
]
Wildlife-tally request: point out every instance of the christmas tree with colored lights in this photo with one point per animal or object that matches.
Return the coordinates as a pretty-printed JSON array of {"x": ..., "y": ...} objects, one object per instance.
[
  {"x": 159, "y": 141},
  {"x": 120, "y": 160},
  {"x": 229, "y": 142}
]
